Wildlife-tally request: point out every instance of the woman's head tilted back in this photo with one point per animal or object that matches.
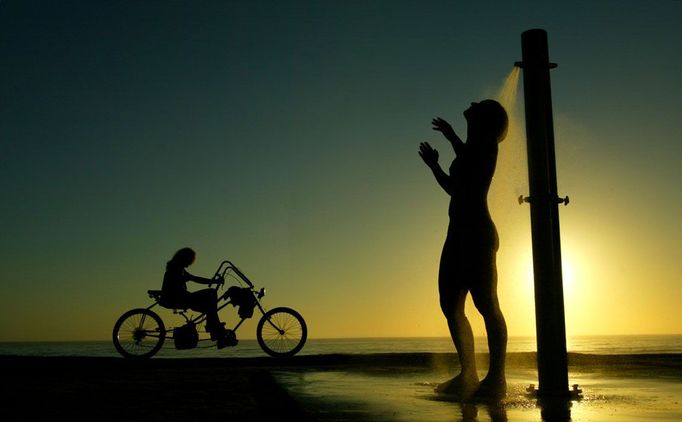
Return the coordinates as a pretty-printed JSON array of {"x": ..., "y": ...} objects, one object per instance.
[
  {"x": 488, "y": 119},
  {"x": 184, "y": 257}
]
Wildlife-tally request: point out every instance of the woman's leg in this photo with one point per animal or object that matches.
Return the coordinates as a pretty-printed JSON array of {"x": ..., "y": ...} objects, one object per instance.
[
  {"x": 462, "y": 335},
  {"x": 453, "y": 295},
  {"x": 484, "y": 294}
]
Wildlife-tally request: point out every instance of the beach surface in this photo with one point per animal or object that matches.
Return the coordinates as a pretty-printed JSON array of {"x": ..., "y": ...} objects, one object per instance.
[
  {"x": 343, "y": 387},
  {"x": 116, "y": 389}
]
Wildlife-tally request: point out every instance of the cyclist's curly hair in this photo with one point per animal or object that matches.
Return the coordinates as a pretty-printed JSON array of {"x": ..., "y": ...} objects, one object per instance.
[{"x": 184, "y": 256}]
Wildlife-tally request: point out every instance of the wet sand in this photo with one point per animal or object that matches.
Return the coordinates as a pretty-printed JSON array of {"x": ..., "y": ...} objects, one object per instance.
[
  {"x": 400, "y": 387},
  {"x": 375, "y": 387}
]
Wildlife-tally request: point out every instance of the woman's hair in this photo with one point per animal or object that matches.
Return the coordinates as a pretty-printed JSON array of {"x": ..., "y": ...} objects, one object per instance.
[
  {"x": 495, "y": 119},
  {"x": 184, "y": 257}
]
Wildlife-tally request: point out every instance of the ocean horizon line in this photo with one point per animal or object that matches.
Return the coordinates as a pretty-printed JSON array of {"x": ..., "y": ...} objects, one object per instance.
[
  {"x": 249, "y": 347},
  {"x": 365, "y": 338}
]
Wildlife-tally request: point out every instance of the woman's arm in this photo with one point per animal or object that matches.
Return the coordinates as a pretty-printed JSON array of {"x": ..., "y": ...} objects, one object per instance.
[
  {"x": 442, "y": 178},
  {"x": 430, "y": 157},
  {"x": 444, "y": 127}
]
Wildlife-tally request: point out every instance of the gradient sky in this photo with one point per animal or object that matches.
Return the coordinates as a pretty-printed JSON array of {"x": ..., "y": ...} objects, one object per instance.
[{"x": 283, "y": 136}]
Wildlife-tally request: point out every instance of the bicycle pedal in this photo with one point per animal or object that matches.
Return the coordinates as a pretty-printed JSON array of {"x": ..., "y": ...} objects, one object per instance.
[
  {"x": 230, "y": 338},
  {"x": 227, "y": 342}
]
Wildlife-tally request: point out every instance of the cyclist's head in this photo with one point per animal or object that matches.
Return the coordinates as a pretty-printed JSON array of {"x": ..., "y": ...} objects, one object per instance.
[{"x": 184, "y": 257}]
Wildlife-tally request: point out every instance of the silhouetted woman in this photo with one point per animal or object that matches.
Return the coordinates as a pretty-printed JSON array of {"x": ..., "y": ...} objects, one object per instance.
[
  {"x": 468, "y": 260},
  {"x": 174, "y": 293}
]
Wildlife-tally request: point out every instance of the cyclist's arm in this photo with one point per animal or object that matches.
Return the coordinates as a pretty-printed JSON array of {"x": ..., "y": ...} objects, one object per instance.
[{"x": 200, "y": 280}]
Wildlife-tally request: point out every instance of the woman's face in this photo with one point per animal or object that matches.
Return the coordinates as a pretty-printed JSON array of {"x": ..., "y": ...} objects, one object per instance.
[{"x": 471, "y": 112}]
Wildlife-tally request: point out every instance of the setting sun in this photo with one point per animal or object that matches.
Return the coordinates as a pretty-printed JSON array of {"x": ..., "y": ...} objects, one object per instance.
[{"x": 567, "y": 273}]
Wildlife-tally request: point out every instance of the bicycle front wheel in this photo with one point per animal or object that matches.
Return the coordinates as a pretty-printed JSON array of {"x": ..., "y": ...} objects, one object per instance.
[
  {"x": 139, "y": 333},
  {"x": 281, "y": 332}
]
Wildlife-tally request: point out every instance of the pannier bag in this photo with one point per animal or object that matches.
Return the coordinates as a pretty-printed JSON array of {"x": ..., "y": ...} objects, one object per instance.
[
  {"x": 186, "y": 337},
  {"x": 242, "y": 297}
]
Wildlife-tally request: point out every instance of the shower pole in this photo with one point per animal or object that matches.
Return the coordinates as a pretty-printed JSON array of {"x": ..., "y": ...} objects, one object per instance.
[{"x": 544, "y": 215}]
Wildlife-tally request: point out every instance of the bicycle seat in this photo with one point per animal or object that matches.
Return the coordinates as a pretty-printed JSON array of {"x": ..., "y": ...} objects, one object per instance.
[
  {"x": 154, "y": 294},
  {"x": 157, "y": 296}
]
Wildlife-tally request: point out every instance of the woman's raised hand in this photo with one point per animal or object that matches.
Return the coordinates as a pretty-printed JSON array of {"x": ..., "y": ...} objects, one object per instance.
[
  {"x": 443, "y": 127},
  {"x": 428, "y": 154}
]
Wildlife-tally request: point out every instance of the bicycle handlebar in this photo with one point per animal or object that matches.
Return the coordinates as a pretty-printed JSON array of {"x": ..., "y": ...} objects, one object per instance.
[
  {"x": 229, "y": 265},
  {"x": 219, "y": 281}
]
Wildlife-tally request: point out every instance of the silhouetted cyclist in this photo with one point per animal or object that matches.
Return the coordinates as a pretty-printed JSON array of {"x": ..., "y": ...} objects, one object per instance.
[{"x": 174, "y": 293}]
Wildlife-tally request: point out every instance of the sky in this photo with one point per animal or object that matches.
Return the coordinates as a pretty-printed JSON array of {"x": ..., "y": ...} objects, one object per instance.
[{"x": 283, "y": 136}]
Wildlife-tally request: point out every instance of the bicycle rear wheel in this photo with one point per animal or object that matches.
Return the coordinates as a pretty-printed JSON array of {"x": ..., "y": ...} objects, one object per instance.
[
  {"x": 281, "y": 332},
  {"x": 139, "y": 333}
]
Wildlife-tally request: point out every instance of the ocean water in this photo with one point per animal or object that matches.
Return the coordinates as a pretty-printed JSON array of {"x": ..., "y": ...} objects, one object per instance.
[{"x": 609, "y": 345}]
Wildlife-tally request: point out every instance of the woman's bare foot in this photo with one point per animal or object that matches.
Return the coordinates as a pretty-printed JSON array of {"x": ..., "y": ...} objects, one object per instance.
[
  {"x": 492, "y": 388},
  {"x": 462, "y": 386}
]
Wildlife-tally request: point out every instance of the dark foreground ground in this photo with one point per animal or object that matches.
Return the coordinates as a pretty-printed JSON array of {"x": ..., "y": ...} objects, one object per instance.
[
  {"x": 232, "y": 389},
  {"x": 113, "y": 389}
]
